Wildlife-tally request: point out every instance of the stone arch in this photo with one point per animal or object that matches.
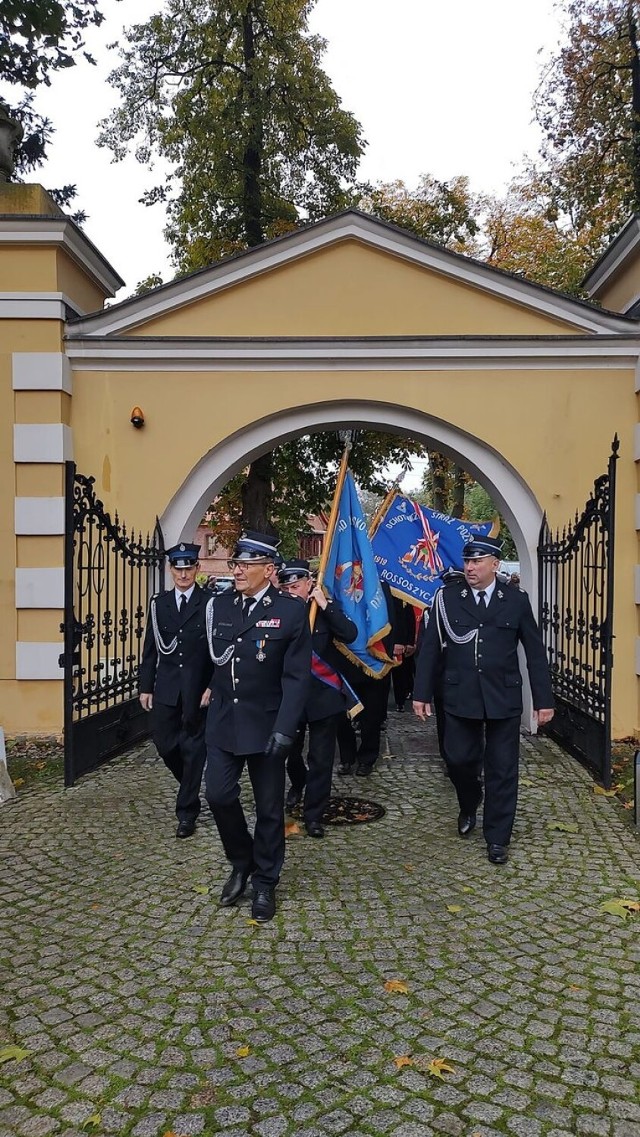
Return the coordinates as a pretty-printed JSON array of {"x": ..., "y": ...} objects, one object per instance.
[{"x": 505, "y": 485}]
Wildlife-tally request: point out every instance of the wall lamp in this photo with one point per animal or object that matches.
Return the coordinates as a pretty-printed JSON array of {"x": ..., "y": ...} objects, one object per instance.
[{"x": 137, "y": 418}]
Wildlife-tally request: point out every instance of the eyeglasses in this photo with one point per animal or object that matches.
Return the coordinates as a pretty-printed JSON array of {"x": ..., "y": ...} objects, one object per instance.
[{"x": 253, "y": 561}]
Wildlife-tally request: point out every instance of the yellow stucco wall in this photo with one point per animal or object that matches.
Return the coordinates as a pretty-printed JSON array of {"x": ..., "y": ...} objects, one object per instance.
[
  {"x": 352, "y": 290},
  {"x": 73, "y": 281},
  {"x": 554, "y": 427},
  {"x": 623, "y": 289}
]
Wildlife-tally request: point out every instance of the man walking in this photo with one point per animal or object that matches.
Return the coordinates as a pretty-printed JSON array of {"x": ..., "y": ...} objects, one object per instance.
[
  {"x": 470, "y": 650},
  {"x": 326, "y": 702},
  {"x": 175, "y": 676},
  {"x": 260, "y": 644}
]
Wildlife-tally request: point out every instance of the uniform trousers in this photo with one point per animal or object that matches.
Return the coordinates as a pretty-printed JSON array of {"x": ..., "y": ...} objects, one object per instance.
[
  {"x": 374, "y": 695},
  {"x": 402, "y": 680},
  {"x": 262, "y": 854},
  {"x": 320, "y": 757},
  {"x": 296, "y": 768},
  {"x": 180, "y": 743},
  {"x": 467, "y": 740}
]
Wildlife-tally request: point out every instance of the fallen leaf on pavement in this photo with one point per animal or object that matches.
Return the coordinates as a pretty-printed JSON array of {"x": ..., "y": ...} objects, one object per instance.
[
  {"x": 396, "y": 985},
  {"x": 454, "y": 908},
  {"x": 405, "y": 1060},
  {"x": 438, "y": 1067},
  {"x": 526, "y": 782},
  {"x": 17, "y": 782},
  {"x": 409, "y": 868},
  {"x": 242, "y": 1051},
  {"x": 253, "y": 923},
  {"x": 92, "y": 1122},
  {"x": 607, "y": 793},
  {"x": 201, "y": 889},
  {"x": 620, "y": 907},
  {"x": 291, "y": 829},
  {"x": 563, "y": 826},
  {"x": 13, "y": 1054}
]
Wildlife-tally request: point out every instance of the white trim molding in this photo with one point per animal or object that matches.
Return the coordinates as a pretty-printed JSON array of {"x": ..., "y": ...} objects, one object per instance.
[
  {"x": 369, "y": 231},
  {"x": 39, "y": 588},
  {"x": 402, "y": 353},
  {"x": 637, "y": 655},
  {"x": 41, "y": 371},
  {"x": 636, "y": 442},
  {"x": 42, "y": 442},
  {"x": 34, "y": 305},
  {"x": 39, "y": 516},
  {"x": 38, "y": 660},
  {"x": 16, "y": 230},
  {"x": 637, "y": 583}
]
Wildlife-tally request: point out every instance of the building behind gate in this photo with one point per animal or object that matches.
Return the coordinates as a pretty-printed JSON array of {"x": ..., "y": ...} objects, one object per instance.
[{"x": 349, "y": 322}]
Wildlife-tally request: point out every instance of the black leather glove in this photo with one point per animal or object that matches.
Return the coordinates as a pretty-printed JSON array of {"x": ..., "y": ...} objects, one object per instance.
[{"x": 278, "y": 745}]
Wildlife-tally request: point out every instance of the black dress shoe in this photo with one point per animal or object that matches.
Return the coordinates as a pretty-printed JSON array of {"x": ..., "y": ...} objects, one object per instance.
[
  {"x": 186, "y": 829},
  {"x": 293, "y": 798},
  {"x": 466, "y": 823},
  {"x": 400, "y": 707},
  {"x": 498, "y": 854},
  {"x": 345, "y": 768},
  {"x": 264, "y": 905},
  {"x": 234, "y": 886},
  {"x": 363, "y": 771},
  {"x": 314, "y": 828}
]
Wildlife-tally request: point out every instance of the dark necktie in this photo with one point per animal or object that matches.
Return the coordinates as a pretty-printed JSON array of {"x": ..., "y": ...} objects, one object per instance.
[
  {"x": 247, "y": 605},
  {"x": 183, "y": 604},
  {"x": 482, "y": 601}
]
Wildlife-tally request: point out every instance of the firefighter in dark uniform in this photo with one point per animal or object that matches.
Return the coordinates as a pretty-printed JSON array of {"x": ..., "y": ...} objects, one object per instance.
[
  {"x": 260, "y": 644},
  {"x": 471, "y": 642},
  {"x": 175, "y": 679},
  {"x": 326, "y": 701}
]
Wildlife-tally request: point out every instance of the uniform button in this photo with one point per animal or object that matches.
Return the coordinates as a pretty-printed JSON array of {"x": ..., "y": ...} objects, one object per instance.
[
  {"x": 482, "y": 625},
  {"x": 237, "y": 659},
  {"x": 479, "y": 669},
  {"x": 235, "y": 700},
  {"x": 480, "y": 641},
  {"x": 239, "y": 640},
  {"x": 179, "y": 665}
]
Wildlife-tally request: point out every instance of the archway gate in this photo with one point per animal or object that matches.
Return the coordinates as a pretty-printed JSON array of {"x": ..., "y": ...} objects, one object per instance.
[
  {"x": 110, "y": 576},
  {"x": 575, "y": 614}
]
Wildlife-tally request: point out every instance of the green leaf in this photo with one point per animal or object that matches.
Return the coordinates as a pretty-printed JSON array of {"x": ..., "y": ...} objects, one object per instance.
[
  {"x": 620, "y": 907},
  {"x": 563, "y": 826},
  {"x": 13, "y": 1054},
  {"x": 201, "y": 889}
]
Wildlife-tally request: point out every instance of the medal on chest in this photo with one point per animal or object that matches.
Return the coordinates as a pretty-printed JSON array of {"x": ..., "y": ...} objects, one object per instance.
[{"x": 261, "y": 655}]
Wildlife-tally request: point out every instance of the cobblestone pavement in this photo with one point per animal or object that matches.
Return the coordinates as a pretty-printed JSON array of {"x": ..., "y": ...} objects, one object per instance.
[{"x": 145, "y": 1010}]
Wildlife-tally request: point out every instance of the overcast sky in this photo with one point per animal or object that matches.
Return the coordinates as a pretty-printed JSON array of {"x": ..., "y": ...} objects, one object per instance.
[{"x": 439, "y": 88}]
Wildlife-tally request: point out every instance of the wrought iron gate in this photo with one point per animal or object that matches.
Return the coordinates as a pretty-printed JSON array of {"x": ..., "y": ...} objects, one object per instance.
[
  {"x": 109, "y": 578},
  {"x": 575, "y": 608}
]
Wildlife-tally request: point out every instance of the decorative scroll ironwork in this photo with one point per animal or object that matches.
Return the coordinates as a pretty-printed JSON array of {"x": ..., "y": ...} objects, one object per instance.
[
  {"x": 575, "y": 610},
  {"x": 110, "y": 574}
]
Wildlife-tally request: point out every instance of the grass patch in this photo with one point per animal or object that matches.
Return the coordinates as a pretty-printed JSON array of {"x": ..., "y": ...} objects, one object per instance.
[{"x": 34, "y": 760}]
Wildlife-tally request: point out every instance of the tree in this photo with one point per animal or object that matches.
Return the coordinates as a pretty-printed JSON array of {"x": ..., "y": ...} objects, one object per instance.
[
  {"x": 588, "y": 106},
  {"x": 233, "y": 96},
  {"x": 38, "y": 38},
  {"x": 446, "y": 212}
]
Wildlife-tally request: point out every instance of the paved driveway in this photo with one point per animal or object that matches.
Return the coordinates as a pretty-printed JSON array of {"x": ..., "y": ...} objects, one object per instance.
[{"x": 145, "y": 1010}]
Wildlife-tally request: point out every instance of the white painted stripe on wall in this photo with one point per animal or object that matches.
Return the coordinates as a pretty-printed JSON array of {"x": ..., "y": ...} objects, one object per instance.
[
  {"x": 42, "y": 442},
  {"x": 637, "y": 584},
  {"x": 38, "y": 660},
  {"x": 39, "y": 588},
  {"x": 41, "y": 371},
  {"x": 39, "y": 516},
  {"x": 636, "y": 440},
  {"x": 638, "y": 511},
  {"x": 637, "y": 655}
]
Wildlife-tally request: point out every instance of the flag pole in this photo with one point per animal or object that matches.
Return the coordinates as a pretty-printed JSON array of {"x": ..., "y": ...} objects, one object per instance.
[
  {"x": 382, "y": 509},
  {"x": 333, "y": 521}
]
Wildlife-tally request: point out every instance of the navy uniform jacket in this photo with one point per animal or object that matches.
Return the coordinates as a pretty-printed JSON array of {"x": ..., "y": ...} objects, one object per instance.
[
  {"x": 482, "y": 679},
  {"x": 254, "y": 697},
  {"x": 187, "y": 671},
  {"x": 331, "y": 623}
]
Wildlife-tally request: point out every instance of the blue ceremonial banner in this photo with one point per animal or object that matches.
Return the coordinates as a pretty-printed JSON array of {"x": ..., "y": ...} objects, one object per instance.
[
  {"x": 413, "y": 545},
  {"x": 351, "y": 578}
]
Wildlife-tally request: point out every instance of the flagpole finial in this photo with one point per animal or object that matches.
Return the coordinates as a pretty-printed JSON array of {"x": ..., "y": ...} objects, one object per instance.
[{"x": 347, "y": 438}]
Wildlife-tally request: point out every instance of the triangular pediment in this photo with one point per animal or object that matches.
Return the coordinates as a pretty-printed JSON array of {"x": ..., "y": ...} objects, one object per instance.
[{"x": 348, "y": 276}]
